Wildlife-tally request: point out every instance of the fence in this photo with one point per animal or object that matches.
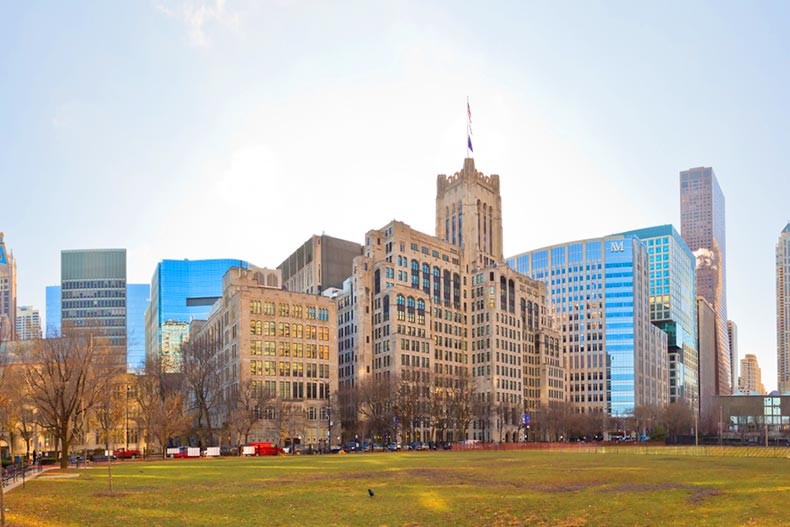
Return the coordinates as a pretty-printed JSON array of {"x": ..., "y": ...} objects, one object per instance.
[
  {"x": 634, "y": 448},
  {"x": 14, "y": 473}
]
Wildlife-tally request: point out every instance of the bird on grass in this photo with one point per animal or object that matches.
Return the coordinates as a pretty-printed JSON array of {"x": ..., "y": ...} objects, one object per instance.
[{"x": 370, "y": 493}]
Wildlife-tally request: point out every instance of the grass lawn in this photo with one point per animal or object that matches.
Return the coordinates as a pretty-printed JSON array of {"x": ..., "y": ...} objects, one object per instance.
[{"x": 509, "y": 488}]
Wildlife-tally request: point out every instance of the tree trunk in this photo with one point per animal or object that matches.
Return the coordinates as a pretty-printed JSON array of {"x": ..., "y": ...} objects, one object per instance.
[
  {"x": 64, "y": 446},
  {"x": 2, "y": 500}
]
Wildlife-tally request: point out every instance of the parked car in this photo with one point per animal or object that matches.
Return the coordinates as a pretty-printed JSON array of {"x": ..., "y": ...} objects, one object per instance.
[{"x": 123, "y": 453}]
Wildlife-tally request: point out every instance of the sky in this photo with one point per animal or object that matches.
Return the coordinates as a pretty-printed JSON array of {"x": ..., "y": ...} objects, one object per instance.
[{"x": 235, "y": 129}]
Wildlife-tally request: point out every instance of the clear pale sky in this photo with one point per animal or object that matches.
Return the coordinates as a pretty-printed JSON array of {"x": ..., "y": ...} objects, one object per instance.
[{"x": 238, "y": 129}]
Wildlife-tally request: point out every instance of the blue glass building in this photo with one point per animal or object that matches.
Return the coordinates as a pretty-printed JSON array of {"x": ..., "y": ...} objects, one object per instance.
[
  {"x": 137, "y": 296},
  {"x": 183, "y": 290},
  {"x": 53, "y": 311},
  {"x": 615, "y": 358},
  {"x": 671, "y": 265}
]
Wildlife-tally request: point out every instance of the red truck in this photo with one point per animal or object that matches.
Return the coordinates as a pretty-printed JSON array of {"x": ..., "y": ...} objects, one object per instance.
[
  {"x": 265, "y": 449},
  {"x": 123, "y": 453}
]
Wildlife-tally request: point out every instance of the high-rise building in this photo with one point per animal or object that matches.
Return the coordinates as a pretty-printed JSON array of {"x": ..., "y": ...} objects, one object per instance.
[
  {"x": 93, "y": 297},
  {"x": 28, "y": 323},
  {"x": 320, "y": 263},
  {"x": 732, "y": 338},
  {"x": 181, "y": 290},
  {"x": 783, "y": 310},
  {"x": 702, "y": 225},
  {"x": 7, "y": 292},
  {"x": 615, "y": 358},
  {"x": 751, "y": 380},
  {"x": 673, "y": 306},
  {"x": 137, "y": 297},
  {"x": 280, "y": 347},
  {"x": 444, "y": 321},
  {"x": 707, "y": 332},
  {"x": 53, "y": 311}
]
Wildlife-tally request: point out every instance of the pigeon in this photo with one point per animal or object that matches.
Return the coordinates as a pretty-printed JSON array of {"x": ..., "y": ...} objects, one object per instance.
[{"x": 370, "y": 493}]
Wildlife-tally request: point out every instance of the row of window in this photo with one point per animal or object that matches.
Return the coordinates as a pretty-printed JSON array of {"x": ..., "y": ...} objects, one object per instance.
[
  {"x": 272, "y": 368},
  {"x": 286, "y": 310},
  {"x": 284, "y": 329},
  {"x": 289, "y": 349}
]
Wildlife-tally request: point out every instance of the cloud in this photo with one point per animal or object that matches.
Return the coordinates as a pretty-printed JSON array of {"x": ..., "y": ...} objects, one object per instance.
[{"x": 199, "y": 15}]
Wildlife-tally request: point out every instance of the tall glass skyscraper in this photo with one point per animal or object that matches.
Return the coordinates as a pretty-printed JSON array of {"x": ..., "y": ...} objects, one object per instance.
[
  {"x": 93, "y": 296},
  {"x": 783, "y": 310},
  {"x": 137, "y": 296},
  {"x": 182, "y": 290},
  {"x": 703, "y": 228},
  {"x": 615, "y": 358},
  {"x": 671, "y": 266},
  {"x": 53, "y": 311}
]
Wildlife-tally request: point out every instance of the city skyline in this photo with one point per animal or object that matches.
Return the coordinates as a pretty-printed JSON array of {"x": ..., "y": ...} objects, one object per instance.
[{"x": 223, "y": 111}]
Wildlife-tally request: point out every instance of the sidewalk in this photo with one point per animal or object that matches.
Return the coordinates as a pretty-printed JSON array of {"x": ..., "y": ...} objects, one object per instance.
[{"x": 12, "y": 484}]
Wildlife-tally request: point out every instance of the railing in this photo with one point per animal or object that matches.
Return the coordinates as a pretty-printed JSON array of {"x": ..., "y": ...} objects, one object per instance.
[
  {"x": 14, "y": 473},
  {"x": 634, "y": 448}
]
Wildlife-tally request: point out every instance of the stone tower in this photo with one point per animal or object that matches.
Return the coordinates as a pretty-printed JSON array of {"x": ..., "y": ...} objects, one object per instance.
[{"x": 469, "y": 215}]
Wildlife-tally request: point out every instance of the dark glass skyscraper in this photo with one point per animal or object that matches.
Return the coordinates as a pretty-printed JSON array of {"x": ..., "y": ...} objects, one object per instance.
[
  {"x": 181, "y": 290},
  {"x": 93, "y": 297},
  {"x": 703, "y": 228}
]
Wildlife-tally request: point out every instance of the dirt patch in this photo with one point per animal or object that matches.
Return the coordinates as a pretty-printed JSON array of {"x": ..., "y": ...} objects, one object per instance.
[
  {"x": 110, "y": 494},
  {"x": 562, "y": 488},
  {"x": 700, "y": 494},
  {"x": 697, "y": 494}
]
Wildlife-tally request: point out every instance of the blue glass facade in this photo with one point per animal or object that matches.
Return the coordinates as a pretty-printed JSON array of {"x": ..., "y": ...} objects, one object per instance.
[
  {"x": 183, "y": 290},
  {"x": 671, "y": 265},
  {"x": 598, "y": 288},
  {"x": 137, "y": 296},
  {"x": 53, "y": 311}
]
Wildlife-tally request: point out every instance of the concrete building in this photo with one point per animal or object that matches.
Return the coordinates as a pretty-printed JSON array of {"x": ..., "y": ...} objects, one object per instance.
[
  {"x": 751, "y": 380},
  {"x": 673, "y": 306},
  {"x": 755, "y": 419},
  {"x": 181, "y": 291},
  {"x": 732, "y": 338},
  {"x": 28, "y": 323},
  {"x": 702, "y": 225},
  {"x": 93, "y": 297},
  {"x": 279, "y": 345},
  {"x": 707, "y": 337},
  {"x": 53, "y": 311},
  {"x": 322, "y": 262},
  {"x": 615, "y": 358},
  {"x": 7, "y": 292},
  {"x": 783, "y": 310}
]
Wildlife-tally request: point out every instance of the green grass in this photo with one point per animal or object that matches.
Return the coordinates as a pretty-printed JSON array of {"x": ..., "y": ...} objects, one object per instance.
[{"x": 510, "y": 488}]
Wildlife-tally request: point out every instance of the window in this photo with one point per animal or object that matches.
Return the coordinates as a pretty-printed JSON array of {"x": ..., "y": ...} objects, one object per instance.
[
  {"x": 255, "y": 307},
  {"x": 268, "y": 308},
  {"x": 284, "y": 310}
]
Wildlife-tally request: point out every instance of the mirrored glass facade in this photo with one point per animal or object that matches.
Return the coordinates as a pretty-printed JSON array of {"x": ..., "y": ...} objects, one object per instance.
[
  {"x": 53, "y": 311},
  {"x": 671, "y": 266},
  {"x": 183, "y": 290},
  {"x": 615, "y": 358},
  {"x": 136, "y": 303}
]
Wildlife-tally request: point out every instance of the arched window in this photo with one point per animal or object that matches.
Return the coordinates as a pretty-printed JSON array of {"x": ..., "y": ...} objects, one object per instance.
[
  {"x": 420, "y": 305},
  {"x": 401, "y": 300}
]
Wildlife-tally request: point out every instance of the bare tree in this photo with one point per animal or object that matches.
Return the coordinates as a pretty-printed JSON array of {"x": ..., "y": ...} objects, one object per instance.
[
  {"x": 483, "y": 412},
  {"x": 65, "y": 376},
  {"x": 109, "y": 413},
  {"x": 4, "y": 369},
  {"x": 246, "y": 409},
  {"x": 377, "y": 402},
  {"x": 461, "y": 406},
  {"x": 646, "y": 418},
  {"x": 202, "y": 378},
  {"x": 677, "y": 418},
  {"x": 160, "y": 400}
]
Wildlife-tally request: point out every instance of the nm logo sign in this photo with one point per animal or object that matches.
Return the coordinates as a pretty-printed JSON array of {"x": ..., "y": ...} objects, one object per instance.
[{"x": 616, "y": 247}]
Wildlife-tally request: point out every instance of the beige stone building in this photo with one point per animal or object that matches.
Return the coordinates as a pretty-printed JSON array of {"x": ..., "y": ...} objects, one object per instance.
[
  {"x": 424, "y": 313},
  {"x": 750, "y": 380},
  {"x": 279, "y": 345}
]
